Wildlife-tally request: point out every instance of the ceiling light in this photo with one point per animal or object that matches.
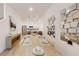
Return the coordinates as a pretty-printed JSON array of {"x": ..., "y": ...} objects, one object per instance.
[
  {"x": 31, "y": 9},
  {"x": 68, "y": 11}
]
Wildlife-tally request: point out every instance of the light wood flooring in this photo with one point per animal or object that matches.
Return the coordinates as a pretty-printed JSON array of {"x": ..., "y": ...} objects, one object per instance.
[{"x": 20, "y": 50}]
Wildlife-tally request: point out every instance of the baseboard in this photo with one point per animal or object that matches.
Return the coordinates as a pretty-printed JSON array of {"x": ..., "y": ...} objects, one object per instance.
[{"x": 2, "y": 51}]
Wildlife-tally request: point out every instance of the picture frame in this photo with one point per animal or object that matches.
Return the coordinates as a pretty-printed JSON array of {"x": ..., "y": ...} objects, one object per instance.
[{"x": 1, "y": 11}]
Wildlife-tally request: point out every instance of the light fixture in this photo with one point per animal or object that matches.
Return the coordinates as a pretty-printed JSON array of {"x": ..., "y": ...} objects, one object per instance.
[
  {"x": 30, "y": 9},
  {"x": 68, "y": 11}
]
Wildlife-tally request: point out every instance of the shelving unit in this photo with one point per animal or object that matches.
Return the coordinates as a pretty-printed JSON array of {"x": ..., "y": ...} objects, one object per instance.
[{"x": 70, "y": 20}]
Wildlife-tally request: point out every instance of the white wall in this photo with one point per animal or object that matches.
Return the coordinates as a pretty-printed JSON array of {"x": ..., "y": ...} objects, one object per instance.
[
  {"x": 14, "y": 17},
  {"x": 4, "y": 30},
  {"x": 35, "y": 22},
  {"x": 61, "y": 46},
  {"x": 5, "y": 25}
]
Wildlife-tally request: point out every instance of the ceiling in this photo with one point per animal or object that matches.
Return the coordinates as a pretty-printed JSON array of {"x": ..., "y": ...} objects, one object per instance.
[{"x": 22, "y": 9}]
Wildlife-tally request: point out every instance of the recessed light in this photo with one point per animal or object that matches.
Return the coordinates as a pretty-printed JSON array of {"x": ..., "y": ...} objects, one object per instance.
[
  {"x": 68, "y": 11},
  {"x": 30, "y": 9}
]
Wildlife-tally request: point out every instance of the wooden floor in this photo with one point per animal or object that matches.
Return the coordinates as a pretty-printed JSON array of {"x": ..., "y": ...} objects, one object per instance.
[{"x": 20, "y": 50}]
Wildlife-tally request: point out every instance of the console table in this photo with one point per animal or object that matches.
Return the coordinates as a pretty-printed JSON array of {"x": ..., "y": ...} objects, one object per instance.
[{"x": 11, "y": 39}]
